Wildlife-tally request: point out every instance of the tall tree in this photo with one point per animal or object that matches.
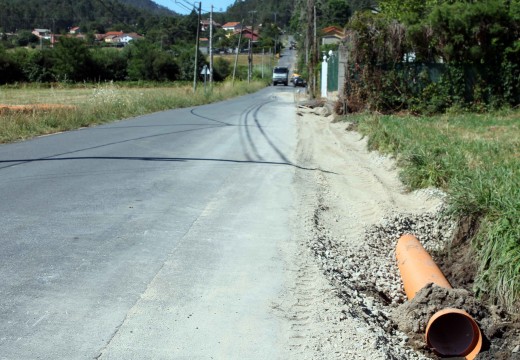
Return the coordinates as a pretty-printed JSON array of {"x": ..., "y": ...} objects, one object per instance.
[
  {"x": 72, "y": 59},
  {"x": 473, "y": 32},
  {"x": 334, "y": 12}
]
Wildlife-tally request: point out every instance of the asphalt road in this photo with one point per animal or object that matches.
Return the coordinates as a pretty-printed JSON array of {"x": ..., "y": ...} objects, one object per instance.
[{"x": 156, "y": 237}]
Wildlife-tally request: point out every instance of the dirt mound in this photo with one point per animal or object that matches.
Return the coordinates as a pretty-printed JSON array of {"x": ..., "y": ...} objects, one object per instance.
[
  {"x": 412, "y": 316},
  {"x": 501, "y": 336},
  {"x": 5, "y": 109}
]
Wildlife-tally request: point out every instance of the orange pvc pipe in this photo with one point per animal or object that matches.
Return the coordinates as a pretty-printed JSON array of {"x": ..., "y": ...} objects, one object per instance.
[
  {"x": 416, "y": 266},
  {"x": 450, "y": 332},
  {"x": 453, "y": 332}
]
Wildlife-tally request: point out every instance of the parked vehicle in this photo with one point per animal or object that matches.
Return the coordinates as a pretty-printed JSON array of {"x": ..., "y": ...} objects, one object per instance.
[
  {"x": 294, "y": 75},
  {"x": 280, "y": 75},
  {"x": 299, "y": 81}
]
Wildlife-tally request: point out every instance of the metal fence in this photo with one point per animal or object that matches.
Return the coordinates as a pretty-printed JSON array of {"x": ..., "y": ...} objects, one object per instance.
[{"x": 332, "y": 74}]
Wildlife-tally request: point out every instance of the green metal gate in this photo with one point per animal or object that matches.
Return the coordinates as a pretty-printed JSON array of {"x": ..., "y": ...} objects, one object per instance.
[{"x": 332, "y": 74}]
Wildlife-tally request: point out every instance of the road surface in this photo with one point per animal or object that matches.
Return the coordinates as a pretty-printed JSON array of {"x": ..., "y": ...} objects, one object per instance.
[
  {"x": 247, "y": 229},
  {"x": 154, "y": 237}
]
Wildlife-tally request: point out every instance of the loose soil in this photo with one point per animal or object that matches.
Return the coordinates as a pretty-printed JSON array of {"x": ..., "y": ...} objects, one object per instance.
[
  {"x": 348, "y": 301},
  {"x": 33, "y": 108}
]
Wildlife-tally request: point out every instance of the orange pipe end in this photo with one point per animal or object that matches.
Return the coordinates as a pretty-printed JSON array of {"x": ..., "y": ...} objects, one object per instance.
[
  {"x": 450, "y": 332},
  {"x": 416, "y": 266},
  {"x": 453, "y": 332}
]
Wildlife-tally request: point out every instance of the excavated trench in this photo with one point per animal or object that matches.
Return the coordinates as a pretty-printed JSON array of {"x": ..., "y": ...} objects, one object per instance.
[
  {"x": 368, "y": 281},
  {"x": 361, "y": 265}
]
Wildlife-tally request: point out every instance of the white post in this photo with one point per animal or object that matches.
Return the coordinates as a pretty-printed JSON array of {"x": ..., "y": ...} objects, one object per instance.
[{"x": 324, "y": 73}]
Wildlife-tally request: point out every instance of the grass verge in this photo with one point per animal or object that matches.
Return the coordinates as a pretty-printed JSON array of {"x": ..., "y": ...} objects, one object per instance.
[
  {"x": 475, "y": 158},
  {"x": 47, "y": 110}
]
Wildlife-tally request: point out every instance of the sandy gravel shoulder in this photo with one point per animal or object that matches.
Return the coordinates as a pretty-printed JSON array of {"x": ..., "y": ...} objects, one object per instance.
[{"x": 343, "y": 279}]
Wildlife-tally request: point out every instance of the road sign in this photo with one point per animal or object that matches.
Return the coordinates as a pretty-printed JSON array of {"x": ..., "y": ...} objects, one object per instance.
[{"x": 205, "y": 70}]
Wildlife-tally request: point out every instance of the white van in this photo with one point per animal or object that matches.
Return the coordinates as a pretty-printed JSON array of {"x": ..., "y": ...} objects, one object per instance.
[{"x": 280, "y": 75}]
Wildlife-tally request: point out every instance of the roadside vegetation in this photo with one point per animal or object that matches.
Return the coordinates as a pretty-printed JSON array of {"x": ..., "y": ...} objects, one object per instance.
[
  {"x": 475, "y": 158},
  {"x": 430, "y": 56},
  {"x": 58, "y": 107},
  {"x": 437, "y": 85}
]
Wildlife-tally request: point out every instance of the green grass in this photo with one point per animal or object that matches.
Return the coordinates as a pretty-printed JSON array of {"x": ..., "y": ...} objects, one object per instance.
[
  {"x": 475, "y": 158},
  {"x": 100, "y": 103}
]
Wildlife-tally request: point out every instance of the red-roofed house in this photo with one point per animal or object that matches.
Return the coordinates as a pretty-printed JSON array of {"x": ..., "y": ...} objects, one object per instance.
[
  {"x": 247, "y": 33},
  {"x": 332, "y": 35},
  {"x": 111, "y": 36},
  {"x": 232, "y": 26},
  {"x": 205, "y": 25}
]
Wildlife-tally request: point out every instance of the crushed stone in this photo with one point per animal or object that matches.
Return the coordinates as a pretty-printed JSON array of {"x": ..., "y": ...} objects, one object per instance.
[{"x": 361, "y": 265}]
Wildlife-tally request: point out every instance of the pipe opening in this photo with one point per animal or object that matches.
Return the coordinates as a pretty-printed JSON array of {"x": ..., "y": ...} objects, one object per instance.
[{"x": 453, "y": 334}]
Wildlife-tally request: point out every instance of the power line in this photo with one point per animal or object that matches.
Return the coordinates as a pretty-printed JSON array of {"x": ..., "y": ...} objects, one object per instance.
[
  {"x": 184, "y": 6},
  {"x": 191, "y": 6}
]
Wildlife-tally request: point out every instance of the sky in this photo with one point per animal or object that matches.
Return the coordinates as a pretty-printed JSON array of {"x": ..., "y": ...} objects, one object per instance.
[{"x": 182, "y": 6}]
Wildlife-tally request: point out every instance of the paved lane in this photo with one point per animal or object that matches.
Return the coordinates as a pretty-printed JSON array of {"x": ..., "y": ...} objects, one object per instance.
[{"x": 154, "y": 237}]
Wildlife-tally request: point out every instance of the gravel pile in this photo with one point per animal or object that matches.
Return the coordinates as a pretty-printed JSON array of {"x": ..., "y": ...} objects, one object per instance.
[
  {"x": 368, "y": 281},
  {"x": 358, "y": 257},
  {"x": 367, "y": 277}
]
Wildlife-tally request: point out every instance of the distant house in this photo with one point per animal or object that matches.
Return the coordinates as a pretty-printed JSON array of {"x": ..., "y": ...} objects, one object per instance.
[
  {"x": 42, "y": 33},
  {"x": 111, "y": 39},
  {"x": 117, "y": 38},
  {"x": 332, "y": 35},
  {"x": 75, "y": 30},
  {"x": 205, "y": 24},
  {"x": 7, "y": 35},
  {"x": 126, "y": 38},
  {"x": 247, "y": 33},
  {"x": 232, "y": 26},
  {"x": 112, "y": 36}
]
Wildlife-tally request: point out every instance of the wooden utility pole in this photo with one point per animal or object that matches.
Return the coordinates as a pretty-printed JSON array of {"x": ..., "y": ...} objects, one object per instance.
[
  {"x": 310, "y": 46},
  {"x": 275, "y": 29},
  {"x": 211, "y": 46},
  {"x": 238, "y": 51},
  {"x": 314, "y": 53},
  {"x": 197, "y": 50},
  {"x": 250, "y": 58}
]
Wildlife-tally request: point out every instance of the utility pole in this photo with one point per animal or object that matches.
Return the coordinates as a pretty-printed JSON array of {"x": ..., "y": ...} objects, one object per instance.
[
  {"x": 314, "y": 53},
  {"x": 211, "y": 47},
  {"x": 238, "y": 51},
  {"x": 275, "y": 29},
  {"x": 306, "y": 20},
  {"x": 250, "y": 57},
  {"x": 309, "y": 44},
  {"x": 196, "y": 50}
]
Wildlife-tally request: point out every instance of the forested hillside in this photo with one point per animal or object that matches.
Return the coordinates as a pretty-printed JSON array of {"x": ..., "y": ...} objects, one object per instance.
[
  {"x": 285, "y": 12},
  {"x": 95, "y": 15}
]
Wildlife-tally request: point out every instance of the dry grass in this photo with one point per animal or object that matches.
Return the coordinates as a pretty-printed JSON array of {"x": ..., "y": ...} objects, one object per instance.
[
  {"x": 258, "y": 59},
  {"x": 29, "y": 111}
]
